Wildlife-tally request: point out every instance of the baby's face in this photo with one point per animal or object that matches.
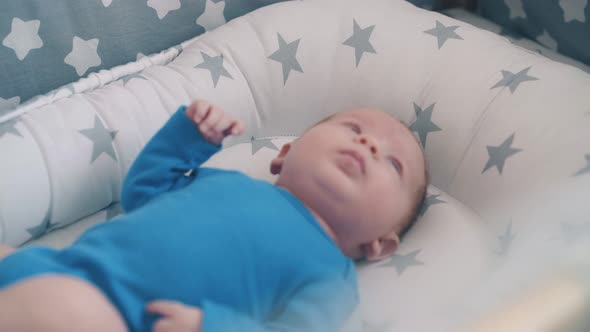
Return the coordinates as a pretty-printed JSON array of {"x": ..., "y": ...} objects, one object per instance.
[{"x": 360, "y": 171}]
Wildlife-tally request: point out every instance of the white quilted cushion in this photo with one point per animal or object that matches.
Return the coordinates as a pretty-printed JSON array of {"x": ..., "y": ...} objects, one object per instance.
[{"x": 505, "y": 132}]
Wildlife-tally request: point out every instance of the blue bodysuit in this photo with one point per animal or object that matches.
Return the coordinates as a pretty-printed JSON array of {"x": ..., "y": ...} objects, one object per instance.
[{"x": 248, "y": 253}]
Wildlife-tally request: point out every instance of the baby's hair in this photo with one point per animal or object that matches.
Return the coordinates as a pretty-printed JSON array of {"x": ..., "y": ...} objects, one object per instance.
[
  {"x": 418, "y": 203},
  {"x": 322, "y": 121},
  {"x": 420, "y": 195}
]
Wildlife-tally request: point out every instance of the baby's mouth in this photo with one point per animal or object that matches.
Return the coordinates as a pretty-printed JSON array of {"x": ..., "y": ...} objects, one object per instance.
[{"x": 351, "y": 160}]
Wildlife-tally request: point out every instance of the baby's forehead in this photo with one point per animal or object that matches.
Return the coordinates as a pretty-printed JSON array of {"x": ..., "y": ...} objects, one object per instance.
[{"x": 379, "y": 119}]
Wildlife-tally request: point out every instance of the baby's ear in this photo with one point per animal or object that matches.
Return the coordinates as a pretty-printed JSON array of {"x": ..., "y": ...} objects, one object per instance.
[
  {"x": 277, "y": 163},
  {"x": 381, "y": 248}
]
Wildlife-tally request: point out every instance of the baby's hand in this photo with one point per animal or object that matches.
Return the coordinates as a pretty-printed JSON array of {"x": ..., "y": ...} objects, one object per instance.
[
  {"x": 176, "y": 317},
  {"x": 213, "y": 123}
]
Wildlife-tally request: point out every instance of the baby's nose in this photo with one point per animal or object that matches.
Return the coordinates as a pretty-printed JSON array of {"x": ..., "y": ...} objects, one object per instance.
[{"x": 370, "y": 144}]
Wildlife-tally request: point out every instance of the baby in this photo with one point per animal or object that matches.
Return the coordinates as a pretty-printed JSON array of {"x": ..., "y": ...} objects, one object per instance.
[{"x": 203, "y": 249}]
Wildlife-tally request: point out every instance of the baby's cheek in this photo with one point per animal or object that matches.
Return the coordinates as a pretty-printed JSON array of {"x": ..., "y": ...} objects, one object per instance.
[
  {"x": 391, "y": 197},
  {"x": 387, "y": 185},
  {"x": 381, "y": 203}
]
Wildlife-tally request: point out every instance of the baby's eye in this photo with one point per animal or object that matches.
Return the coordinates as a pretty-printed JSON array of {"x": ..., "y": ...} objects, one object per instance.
[
  {"x": 354, "y": 127},
  {"x": 396, "y": 165}
]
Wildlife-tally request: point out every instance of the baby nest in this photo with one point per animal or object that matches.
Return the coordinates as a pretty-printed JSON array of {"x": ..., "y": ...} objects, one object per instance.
[{"x": 504, "y": 130}]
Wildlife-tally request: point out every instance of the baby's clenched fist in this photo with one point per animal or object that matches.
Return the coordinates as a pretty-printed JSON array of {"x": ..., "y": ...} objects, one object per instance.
[{"x": 213, "y": 123}]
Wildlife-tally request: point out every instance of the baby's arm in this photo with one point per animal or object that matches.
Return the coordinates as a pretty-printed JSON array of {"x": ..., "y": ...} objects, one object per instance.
[
  {"x": 318, "y": 307},
  {"x": 5, "y": 251},
  {"x": 190, "y": 137}
]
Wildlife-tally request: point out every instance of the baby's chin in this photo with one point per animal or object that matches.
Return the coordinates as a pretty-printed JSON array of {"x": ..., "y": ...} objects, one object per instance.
[{"x": 334, "y": 183}]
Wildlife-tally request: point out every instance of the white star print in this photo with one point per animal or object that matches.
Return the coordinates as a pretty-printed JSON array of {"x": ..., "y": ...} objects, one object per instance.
[
  {"x": 516, "y": 8},
  {"x": 212, "y": 17},
  {"x": 83, "y": 55},
  {"x": 547, "y": 40},
  {"x": 23, "y": 37},
  {"x": 8, "y": 104},
  {"x": 163, "y": 7},
  {"x": 573, "y": 10}
]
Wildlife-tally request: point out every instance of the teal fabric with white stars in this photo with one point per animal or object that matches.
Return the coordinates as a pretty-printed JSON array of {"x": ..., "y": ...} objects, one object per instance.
[
  {"x": 560, "y": 25},
  {"x": 45, "y": 45}
]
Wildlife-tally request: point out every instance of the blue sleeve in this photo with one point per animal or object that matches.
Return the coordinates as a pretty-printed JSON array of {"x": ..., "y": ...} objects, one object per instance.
[
  {"x": 322, "y": 307},
  {"x": 161, "y": 166}
]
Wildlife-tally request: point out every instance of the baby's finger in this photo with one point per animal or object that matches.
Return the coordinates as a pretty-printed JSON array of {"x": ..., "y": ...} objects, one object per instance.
[
  {"x": 212, "y": 118},
  {"x": 223, "y": 125},
  {"x": 209, "y": 133},
  {"x": 164, "y": 308},
  {"x": 163, "y": 325},
  {"x": 202, "y": 109},
  {"x": 237, "y": 128}
]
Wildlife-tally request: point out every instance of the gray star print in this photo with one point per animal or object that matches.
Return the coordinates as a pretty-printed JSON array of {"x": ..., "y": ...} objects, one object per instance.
[
  {"x": 443, "y": 33},
  {"x": 584, "y": 170},
  {"x": 499, "y": 154},
  {"x": 179, "y": 48},
  {"x": 512, "y": 80},
  {"x": 286, "y": 55},
  {"x": 8, "y": 127},
  {"x": 383, "y": 327},
  {"x": 423, "y": 124},
  {"x": 402, "y": 262},
  {"x": 572, "y": 233},
  {"x": 258, "y": 144},
  {"x": 505, "y": 240},
  {"x": 128, "y": 78},
  {"x": 102, "y": 139},
  {"x": 39, "y": 230},
  {"x": 360, "y": 41},
  {"x": 215, "y": 66},
  {"x": 429, "y": 201}
]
